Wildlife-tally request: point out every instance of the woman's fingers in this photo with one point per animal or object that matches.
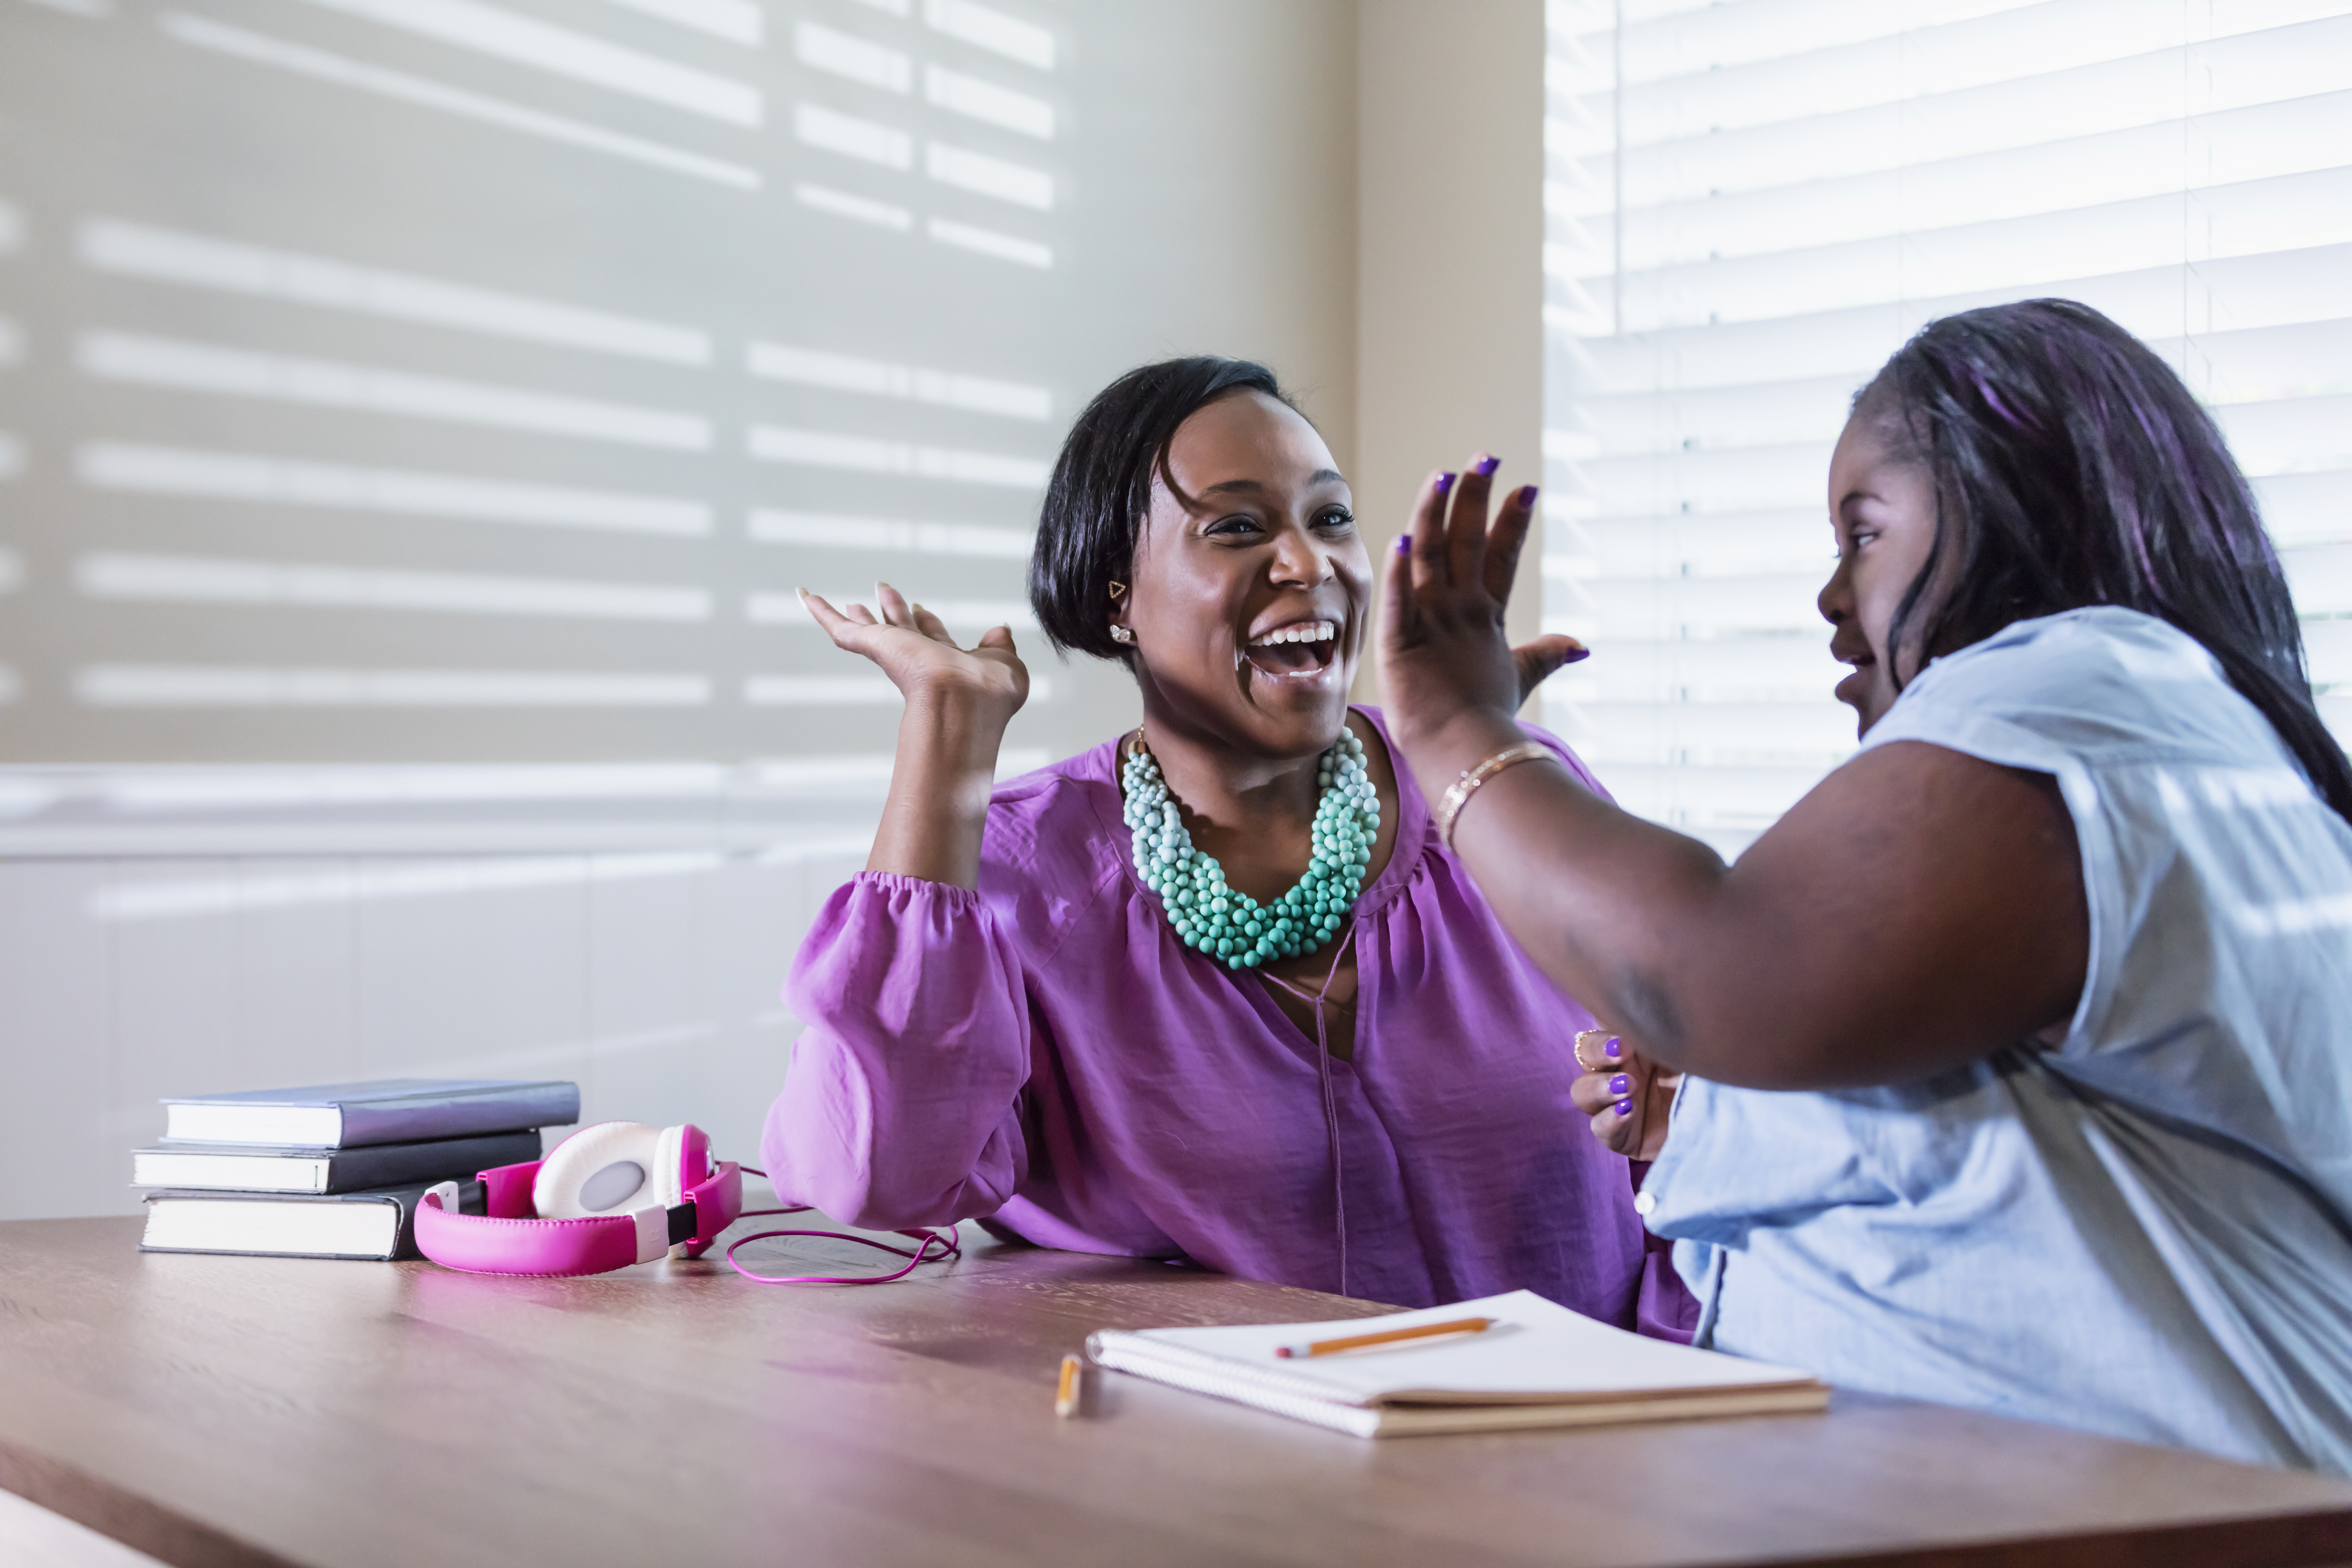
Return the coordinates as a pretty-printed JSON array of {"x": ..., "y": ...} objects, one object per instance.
[
  {"x": 1466, "y": 526},
  {"x": 1627, "y": 1104},
  {"x": 1398, "y": 617},
  {"x": 996, "y": 637},
  {"x": 932, "y": 627},
  {"x": 1619, "y": 1134},
  {"x": 1540, "y": 660},
  {"x": 841, "y": 627},
  {"x": 1428, "y": 535},
  {"x": 820, "y": 612},
  {"x": 893, "y": 606},
  {"x": 1600, "y": 1093},
  {"x": 1618, "y": 1130},
  {"x": 1513, "y": 519}
]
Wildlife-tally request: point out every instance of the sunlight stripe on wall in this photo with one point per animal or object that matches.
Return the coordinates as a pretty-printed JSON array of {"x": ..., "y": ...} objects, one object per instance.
[
  {"x": 287, "y": 481},
  {"x": 832, "y": 449},
  {"x": 523, "y": 40},
  {"x": 260, "y": 49},
  {"x": 229, "y": 685},
  {"x": 200, "y": 261},
  {"x": 326, "y": 383},
  {"x": 204, "y": 580}
]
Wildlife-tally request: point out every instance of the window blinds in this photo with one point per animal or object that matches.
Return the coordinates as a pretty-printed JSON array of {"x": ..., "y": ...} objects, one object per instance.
[{"x": 1749, "y": 205}]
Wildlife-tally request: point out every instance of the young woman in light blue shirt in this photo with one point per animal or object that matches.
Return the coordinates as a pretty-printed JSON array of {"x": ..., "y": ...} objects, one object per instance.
[{"x": 2019, "y": 1053}]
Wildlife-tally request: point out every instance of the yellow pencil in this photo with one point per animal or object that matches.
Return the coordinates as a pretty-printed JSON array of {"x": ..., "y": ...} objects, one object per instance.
[
  {"x": 1066, "y": 1400},
  {"x": 1386, "y": 1337}
]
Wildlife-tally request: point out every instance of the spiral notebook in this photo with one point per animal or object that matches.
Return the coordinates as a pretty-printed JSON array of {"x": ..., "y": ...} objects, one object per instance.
[{"x": 1539, "y": 1366}]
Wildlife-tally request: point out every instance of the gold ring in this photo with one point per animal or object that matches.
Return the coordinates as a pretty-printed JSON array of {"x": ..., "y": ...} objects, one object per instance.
[{"x": 1599, "y": 1037}]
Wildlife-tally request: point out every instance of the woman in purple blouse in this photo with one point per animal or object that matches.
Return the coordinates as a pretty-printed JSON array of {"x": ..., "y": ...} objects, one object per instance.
[{"x": 1006, "y": 1020}]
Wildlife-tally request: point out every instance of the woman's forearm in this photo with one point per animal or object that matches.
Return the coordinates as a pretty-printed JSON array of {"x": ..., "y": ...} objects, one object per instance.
[
  {"x": 941, "y": 781},
  {"x": 1917, "y": 909},
  {"x": 1557, "y": 863}
]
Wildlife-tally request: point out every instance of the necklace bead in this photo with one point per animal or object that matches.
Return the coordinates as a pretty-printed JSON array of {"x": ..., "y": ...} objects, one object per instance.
[{"x": 1215, "y": 919}]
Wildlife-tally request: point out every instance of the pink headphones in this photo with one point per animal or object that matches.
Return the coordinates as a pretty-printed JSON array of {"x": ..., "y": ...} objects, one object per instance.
[{"x": 614, "y": 1194}]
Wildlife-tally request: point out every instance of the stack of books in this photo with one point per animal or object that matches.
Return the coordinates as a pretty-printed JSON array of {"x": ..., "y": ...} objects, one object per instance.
[{"x": 333, "y": 1170}]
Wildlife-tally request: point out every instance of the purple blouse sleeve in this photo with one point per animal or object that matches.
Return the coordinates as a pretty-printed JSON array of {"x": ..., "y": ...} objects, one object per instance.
[{"x": 901, "y": 1105}]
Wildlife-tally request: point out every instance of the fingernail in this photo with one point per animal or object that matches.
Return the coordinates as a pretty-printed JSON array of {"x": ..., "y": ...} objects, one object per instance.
[
  {"x": 1405, "y": 545},
  {"x": 1621, "y": 1084},
  {"x": 1526, "y": 495},
  {"x": 1581, "y": 653},
  {"x": 1488, "y": 465},
  {"x": 1444, "y": 483},
  {"x": 1614, "y": 1048},
  {"x": 802, "y": 592},
  {"x": 1625, "y": 1107}
]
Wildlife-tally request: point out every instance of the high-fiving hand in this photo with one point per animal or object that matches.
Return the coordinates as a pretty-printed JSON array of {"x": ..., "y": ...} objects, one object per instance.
[{"x": 1443, "y": 650}]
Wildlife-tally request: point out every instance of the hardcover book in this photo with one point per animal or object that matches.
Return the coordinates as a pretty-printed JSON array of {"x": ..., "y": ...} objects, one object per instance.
[
  {"x": 385, "y": 1110},
  {"x": 378, "y": 1224},
  {"x": 245, "y": 1167}
]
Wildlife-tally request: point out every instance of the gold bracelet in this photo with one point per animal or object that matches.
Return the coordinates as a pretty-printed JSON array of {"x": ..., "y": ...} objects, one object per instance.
[{"x": 1467, "y": 784}]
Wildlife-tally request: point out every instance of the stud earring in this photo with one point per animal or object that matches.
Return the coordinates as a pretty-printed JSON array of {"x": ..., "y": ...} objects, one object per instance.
[
  {"x": 1125, "y": 635},
  {"x": 1117, "y": 589}
]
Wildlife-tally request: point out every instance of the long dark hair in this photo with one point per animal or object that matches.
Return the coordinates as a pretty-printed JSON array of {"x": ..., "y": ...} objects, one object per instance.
[
  {"x": 1101, "y": 488},
  {"x": 2073, "y": 468}
]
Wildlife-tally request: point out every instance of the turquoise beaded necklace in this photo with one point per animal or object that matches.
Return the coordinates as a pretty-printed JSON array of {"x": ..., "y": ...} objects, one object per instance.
[{"x": 1212, "y": 916}]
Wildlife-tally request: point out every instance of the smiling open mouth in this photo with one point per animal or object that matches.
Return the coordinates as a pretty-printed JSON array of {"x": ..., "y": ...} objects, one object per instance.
[{"x": 1301, "y": 650}]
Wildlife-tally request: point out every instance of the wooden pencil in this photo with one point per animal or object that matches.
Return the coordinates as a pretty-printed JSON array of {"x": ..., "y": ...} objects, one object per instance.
[{"x": 1385, "y": 1337}]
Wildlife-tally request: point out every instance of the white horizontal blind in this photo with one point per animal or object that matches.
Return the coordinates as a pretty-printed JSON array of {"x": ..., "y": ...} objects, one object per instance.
[
  {"x": 1750, "y": 205},
  {"x": 433, "y": 382}
]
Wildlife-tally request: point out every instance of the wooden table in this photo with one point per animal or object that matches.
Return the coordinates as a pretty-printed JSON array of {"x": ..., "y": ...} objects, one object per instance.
[{"x": 248, "y": 1411}]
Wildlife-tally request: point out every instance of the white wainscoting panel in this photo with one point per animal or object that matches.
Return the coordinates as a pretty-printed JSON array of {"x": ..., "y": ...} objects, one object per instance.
[
  {"x": 60, "y": 1147},
  {"x": 641, "y": 953}
]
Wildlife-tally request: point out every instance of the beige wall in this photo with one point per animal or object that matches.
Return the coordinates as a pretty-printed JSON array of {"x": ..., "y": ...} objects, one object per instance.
[
  {"x": 1348, "y": 192},
  {"x": 1449, "y": 227}
]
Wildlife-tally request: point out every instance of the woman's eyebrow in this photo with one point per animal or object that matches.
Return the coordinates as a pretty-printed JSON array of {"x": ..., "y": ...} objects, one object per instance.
[{"x": 1319, "y": 477}]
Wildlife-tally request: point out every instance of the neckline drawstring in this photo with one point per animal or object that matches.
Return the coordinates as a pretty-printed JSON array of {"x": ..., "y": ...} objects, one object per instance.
[{"x": 1330, "y": 1099}]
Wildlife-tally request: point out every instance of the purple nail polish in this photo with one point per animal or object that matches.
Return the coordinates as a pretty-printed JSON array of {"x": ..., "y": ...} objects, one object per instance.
[
  {"x": 1614, "y": 1049},
  {"x": 1621, "y": 1084},
  {"x": 1527, "y": 495},
  {"x": 1582, "y": 653},
  {"x": 1625, "y": 1107},
  {"x": 1405, "y": 545},
  {"x": 1444, "y": 483},
  {"x": 1488, "y": 465}
]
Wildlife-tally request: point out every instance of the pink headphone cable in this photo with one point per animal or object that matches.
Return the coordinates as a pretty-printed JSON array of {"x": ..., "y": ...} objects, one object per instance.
[{"x": 949, "y": 1244}]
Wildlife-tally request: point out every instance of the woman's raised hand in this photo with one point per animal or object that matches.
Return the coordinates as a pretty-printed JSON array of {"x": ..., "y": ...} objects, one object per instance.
[
  {"x": 959, "y": 700},
  {"x": 1443, "y": 650},
  {"x": 914, "y": 649}
]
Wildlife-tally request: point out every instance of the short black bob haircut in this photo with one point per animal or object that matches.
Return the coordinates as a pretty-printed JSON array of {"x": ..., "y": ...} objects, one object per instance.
[{"x": 1101, "y": 490}]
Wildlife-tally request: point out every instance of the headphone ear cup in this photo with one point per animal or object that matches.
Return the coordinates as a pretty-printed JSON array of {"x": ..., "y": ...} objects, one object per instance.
[
  {"x": 669, "y": 1175},
  {"x": 682, "y": 1162},
  {"x": 611, "y": 1167}
]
